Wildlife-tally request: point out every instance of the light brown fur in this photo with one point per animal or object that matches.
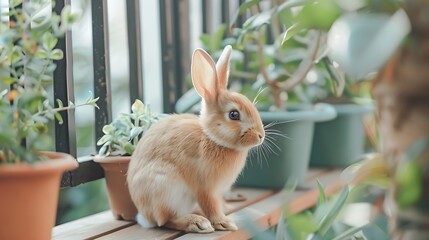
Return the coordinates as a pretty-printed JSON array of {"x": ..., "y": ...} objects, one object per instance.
[{"x": 184, "y": 161}]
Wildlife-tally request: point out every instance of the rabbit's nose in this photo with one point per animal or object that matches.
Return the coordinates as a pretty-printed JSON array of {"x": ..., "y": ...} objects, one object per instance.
[{"x": 261, "y": 138}]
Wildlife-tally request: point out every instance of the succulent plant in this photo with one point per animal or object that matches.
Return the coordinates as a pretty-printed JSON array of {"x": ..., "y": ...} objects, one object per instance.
[{"x": 122, "y": 135}]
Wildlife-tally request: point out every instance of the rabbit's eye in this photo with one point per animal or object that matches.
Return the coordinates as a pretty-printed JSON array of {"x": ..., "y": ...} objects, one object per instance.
[{"x": 234, "y": 115}]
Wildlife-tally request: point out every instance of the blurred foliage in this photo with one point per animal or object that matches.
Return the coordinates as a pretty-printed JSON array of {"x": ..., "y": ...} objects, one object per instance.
[
  {"x": 283, "y": 46},
  {"x": 410, "y": 177},
  {"x": 319, "y": 221},
  {"x": 324, "y": 220},
  {"x": 29, "y": 34}
]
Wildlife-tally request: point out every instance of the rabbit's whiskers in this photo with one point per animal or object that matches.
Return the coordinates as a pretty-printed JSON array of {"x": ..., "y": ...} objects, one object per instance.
[
  {"x": 261, "y": 90},
  {"x": 269, "y": 146}
]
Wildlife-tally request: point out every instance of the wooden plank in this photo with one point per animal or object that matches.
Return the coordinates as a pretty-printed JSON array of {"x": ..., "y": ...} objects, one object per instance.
[
  {"x": 266, "y": 212},
  {"x": 255, "y": 195},
  {"x": 313, "y": 173},
  {"x": 89, "y": 227},
  {"x": 137, "y": 232},
  {"x": 271, "y": 207},
  {"x": 252, "y": 195},
  {"x": 261, "y": 206}
]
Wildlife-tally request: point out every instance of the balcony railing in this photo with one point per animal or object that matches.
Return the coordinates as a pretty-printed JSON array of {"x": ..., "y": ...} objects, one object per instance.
[{"x": 175, "y": 37}]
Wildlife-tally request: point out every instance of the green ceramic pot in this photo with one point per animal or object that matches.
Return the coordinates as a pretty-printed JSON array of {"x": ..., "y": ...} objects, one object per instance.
[
  {"x": 292, "y": 158},
  {"x": 339, "y": 142}
]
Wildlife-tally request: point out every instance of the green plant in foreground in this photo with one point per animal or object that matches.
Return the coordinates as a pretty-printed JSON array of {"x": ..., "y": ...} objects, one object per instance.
[
  {"x": 320, "y": 222},
  {"x": 29, "y": 34},
  {"x": 122, "y": 135}
]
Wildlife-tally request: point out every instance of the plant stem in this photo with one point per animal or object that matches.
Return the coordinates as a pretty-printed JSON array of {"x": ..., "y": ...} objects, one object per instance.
[
  {"x": 61, "y": 109},
  {"x": 136, "y": 123},
  {"x": 275, "y": 90},
  {"x": 338, "y": 79},
  {"x": 305, "y": 66},
  {"x": 261, "y": 55}
]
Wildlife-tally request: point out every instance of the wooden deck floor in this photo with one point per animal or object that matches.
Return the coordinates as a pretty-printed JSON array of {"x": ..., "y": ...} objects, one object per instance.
[{"x": 262, "y": 206}]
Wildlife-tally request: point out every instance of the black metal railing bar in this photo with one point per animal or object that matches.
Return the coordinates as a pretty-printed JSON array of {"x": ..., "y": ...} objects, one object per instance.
[
  {"x": 135, "y": 50},
  {"x": 65, "y": 135},
  {"x": 175, "y": 52}
]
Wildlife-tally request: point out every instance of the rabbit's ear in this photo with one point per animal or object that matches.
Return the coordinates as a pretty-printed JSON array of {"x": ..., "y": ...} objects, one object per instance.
[
  {"x": 203, "y": 72},
  {"x": 222, "y": 68}
]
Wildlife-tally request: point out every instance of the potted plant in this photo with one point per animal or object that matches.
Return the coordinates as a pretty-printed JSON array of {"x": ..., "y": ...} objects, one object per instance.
[
  {"x": 400, "y": 89},
  {"x": 117, "y": 145},
  {"x": 340, "y": 141},
  {"x": 261, "y": 60},
  {"x": 30, "y": 175},
  {"x": 296, "y": 62}
]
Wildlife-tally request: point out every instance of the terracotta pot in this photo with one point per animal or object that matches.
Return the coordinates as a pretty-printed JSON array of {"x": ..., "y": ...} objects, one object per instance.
[
  {"x": 29, "y": 196},
  {"x": 115, "y": 172}
]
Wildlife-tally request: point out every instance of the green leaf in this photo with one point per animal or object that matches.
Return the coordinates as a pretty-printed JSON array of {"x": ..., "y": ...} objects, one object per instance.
[
  {"x": 290, "y": 4},
  {"x": 322, "y": 196},
  {"x": 216, "y": 40},
  {"x": 410, "y": 184},
  {"x": 49, "y": 41},
  {"x": 92, "y": 101},
  {"x": 292, "y": 31},
  {"x": 135, "y": 131},
  {"x": 16, "y": 55},
  {"x": 329, "y": 219},
  {"x": 303, "y": 222},
  {"x": 243, "y": 7},
  {"x": 349, "y": 233},
  {"x": 15, "y": 3},
  {"x": 56, "y": 54},
  {"x": 319, "y": 14},
  {"x": 137, "y": 107},
  {"x": 257, "y": 21},
  {"x": 104, "y": 139},
  {"x": 40, "y": 128},
  {"x": 31, "y": 102},
  {"x": 59, "y": 118},
  {"x": 8, "y": 80},
  {"x": 129, "y": 148},
  {"x": 205, "y": 40},
  {"x": 108, "y": 129},
  {"x": 69, "y": 17},
  {"x": 40, "y": 16},
  {"x": 125, "y": 119},
  {"x": 103, "y": 150},
  {"x": 41, "y": 53},
  {"x": 2, "y": 94},
  {"x": 60, "y": 103},
  {"x": 373, "y": 231}
]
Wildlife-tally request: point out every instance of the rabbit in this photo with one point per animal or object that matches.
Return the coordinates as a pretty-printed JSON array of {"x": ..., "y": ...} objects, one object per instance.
[{"x": 183, "y": 164}]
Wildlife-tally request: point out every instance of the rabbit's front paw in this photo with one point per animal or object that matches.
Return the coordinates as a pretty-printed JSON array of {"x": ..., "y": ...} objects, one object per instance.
[
  {"x": 199, "y": 224},
  {"x": 224, "y": 224}
]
